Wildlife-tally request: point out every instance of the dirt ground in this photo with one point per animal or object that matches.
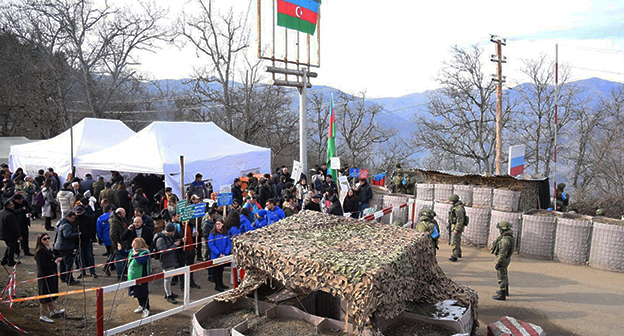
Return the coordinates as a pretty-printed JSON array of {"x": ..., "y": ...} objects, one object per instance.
[
  {"x": 118, "y": 306},
  {"x": 565, "y": 300}
]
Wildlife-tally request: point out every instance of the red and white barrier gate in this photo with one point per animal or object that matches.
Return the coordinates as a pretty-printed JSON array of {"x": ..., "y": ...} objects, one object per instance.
[
  {"x": 390, "y": 210},
  {"x": 186, "y": 271}
]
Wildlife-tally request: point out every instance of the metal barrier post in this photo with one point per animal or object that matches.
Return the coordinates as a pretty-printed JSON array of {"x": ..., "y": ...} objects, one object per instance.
[
  {"x": 413, "y": 213},
  {"x": 99, "y": 312},
  {"x": 392, "y": 217},
  {"x": 235, "y": 276},
  {"x": 187, "y": 286}
]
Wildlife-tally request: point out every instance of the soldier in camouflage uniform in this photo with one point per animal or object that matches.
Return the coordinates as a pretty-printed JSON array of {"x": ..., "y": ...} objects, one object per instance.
[
  {"x": 410, "y": 186},
  {"x": 457, "y": 221},
  {"x": 503, "y": 248},
  {"x": 563, "y": 199},
  {"x": 425, "y": 225}
]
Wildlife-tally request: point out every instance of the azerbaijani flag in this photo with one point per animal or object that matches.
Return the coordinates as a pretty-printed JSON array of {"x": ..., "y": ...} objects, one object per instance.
[
  {"x": 299, "y": 15},
  {"x": 331, "y": 140}
]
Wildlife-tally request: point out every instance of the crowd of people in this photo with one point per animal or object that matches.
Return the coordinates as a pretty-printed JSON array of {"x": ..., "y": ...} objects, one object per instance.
[{"x": 120, "y": 216}]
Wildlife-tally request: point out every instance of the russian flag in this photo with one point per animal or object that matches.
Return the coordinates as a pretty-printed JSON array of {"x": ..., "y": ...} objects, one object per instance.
[{"x": 516, "y": 160}]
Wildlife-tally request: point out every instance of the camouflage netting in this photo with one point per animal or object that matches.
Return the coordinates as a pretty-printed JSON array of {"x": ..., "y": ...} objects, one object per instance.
[{"x": 375, "y": 268}]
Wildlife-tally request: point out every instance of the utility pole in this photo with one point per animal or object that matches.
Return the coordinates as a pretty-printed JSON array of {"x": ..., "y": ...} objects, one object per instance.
[
  {"x": 556, "y": 122},
  {"x": 499, "y": 79}
]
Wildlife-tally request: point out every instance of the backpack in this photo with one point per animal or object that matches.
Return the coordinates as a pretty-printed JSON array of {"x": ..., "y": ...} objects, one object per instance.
[
  {"x": 153, "y": 248},
  {"x": 39, "y": 200}
]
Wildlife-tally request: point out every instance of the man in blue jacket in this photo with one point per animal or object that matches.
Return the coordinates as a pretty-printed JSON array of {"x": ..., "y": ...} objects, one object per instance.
[{"x": 274, "y": 213}]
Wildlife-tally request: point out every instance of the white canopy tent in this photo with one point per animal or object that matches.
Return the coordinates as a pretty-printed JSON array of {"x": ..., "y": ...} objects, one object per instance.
[
  {"x": 90, "y": 135},
  {"x": 157, "y": 148}
]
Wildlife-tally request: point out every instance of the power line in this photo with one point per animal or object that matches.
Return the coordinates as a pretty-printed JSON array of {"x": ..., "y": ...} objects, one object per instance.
[{"x": 597, "y": 70}]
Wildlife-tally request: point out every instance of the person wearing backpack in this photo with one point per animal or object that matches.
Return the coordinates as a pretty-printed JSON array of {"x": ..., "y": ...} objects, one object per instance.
[
  {"x": 457, "y": 222},
  {"x": 168, "y": 260}
]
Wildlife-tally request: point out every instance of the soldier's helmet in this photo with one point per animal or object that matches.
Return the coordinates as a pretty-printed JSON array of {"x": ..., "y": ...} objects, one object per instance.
[
  {"x": 422, "y": 212},
  {"x": 600, "y": 212},
  {"x": 504, "y": 225},
  {"x": 561, "y": 186},
  {"x": 433, "y": 213},
  {"x": 454, "y": 198}
]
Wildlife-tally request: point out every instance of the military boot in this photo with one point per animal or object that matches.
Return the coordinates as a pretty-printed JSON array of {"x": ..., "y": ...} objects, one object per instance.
[
  {"x": 505, "y": 291},
  {"x": 500, "y": 296}
]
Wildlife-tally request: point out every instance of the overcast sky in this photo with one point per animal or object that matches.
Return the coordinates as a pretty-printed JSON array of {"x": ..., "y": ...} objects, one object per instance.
[{"x": 393, "y": 48}]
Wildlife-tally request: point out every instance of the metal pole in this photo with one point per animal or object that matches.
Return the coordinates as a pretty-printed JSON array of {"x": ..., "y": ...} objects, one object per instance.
[
  {"x": 182, "y": 177},
  {"x": 303, "y": 124},
  {"x": 71, "y": 146},
  {"x": 256, "y": 302},
  {"x": 187, "y": 286},
  {"x": 499, "y": 107},
  {"x": 99, "y": 311},
  {"x": 556, "y": 122}
]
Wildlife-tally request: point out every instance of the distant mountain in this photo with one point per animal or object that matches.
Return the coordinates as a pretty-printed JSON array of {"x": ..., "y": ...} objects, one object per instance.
[{"x": 399, "y": 112}]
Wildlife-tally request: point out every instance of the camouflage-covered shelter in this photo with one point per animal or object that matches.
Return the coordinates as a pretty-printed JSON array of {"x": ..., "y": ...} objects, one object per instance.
[{"x": 376, "y": 269}]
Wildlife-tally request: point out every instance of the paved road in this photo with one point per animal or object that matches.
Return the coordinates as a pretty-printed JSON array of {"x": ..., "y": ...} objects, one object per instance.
[{"x": 566, "y": 300}]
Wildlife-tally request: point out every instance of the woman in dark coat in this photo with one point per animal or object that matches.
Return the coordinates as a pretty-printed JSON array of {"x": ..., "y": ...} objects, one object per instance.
[
  {"x": 47, "y": 266},
  {"x": 335, "y": 208},
  {"x": 351, "y": 204}
]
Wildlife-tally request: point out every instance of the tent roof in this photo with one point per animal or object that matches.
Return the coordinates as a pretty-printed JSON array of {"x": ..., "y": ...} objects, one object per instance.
[
  {"x": 7, "y": 142},
  {"x": 163, "y": 142},
  {"x": 90, "y": 135}
]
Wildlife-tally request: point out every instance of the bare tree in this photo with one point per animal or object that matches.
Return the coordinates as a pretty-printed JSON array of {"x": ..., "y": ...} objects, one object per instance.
[
  {"x": 99, "y": 41},
  {"x": 535, "y": 123},
  {"x": 229, "y": 91},
  {"x": 219, "y": 38},
  {"x": 358, "y": 133},
  {"x": 318, "y": 126},
  {"x": 461, "y": 125}
]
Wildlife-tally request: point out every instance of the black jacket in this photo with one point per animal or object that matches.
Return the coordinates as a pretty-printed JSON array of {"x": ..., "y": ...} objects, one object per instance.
[
  {"x": 237, "y": 194},
  {"x": 148, "y": 221},
  {"x": 66, "y": 238},
  {"x": 264, "y": 195},
  {"x": 335, "y": 208},
  {"x": 45, "y": 263},
  {"x": 7, "y": 193},
  {"x": 129, "y": 234},
  {"x": 20, "y": 211},
  {"x": 87, "y": 228},
  {"x": 9, "y": 226},
  {"x": 351, "y": 204},
  {"x": 312, "y": 206},
  {"x": 365, "y": 193},
  {"x": 124, "y": 199}
]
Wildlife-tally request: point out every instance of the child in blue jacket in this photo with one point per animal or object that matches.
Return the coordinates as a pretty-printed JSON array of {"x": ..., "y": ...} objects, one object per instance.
[{"x": 220, "y": 245}]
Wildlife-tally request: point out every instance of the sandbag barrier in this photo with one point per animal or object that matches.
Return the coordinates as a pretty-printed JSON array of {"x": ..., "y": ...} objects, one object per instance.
[
  {"x": 567, "y": 238},
  {"x": 573, "y": 239}
]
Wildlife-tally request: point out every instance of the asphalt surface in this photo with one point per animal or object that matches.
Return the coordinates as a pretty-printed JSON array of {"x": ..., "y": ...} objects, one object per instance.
[{"x": 565, "y": 300}]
